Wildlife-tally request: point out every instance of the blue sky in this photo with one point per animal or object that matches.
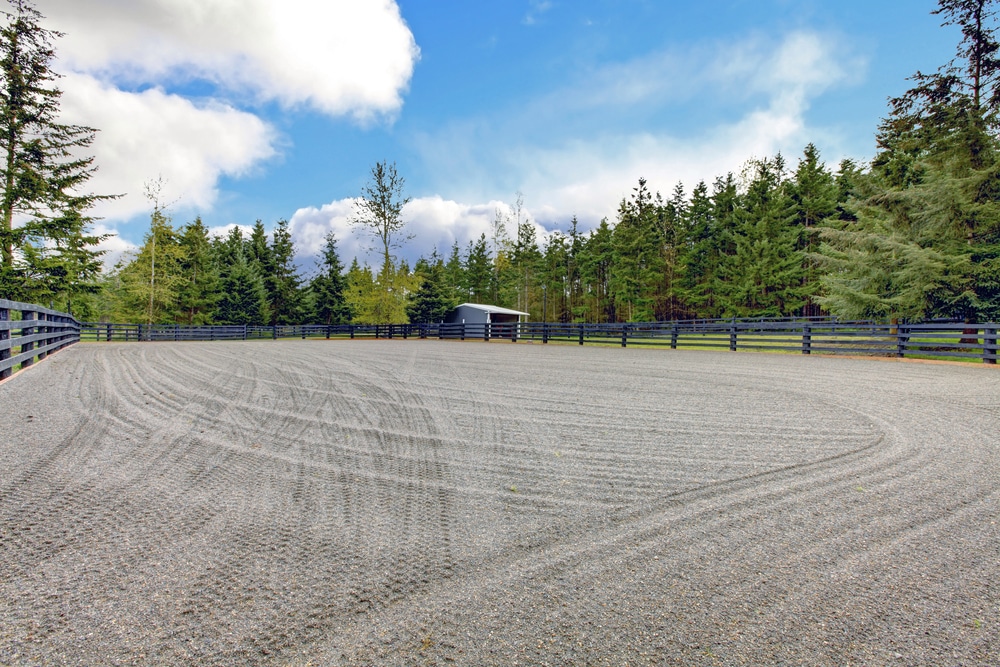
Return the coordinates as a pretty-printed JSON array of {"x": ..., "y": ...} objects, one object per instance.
[{"x": 267, "y": 109}]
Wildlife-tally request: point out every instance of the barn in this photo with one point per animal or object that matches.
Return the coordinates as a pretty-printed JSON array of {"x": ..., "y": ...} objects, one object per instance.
[
  {"x": 478, "y": 313},
  {"x": 502, "y": 321}
]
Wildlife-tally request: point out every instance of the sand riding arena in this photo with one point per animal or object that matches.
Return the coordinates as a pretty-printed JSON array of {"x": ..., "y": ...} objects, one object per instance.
[{"x": 433, "y": 503}]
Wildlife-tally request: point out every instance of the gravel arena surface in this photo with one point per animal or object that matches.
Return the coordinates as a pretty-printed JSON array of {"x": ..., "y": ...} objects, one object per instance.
[{"x": 397, "y": 502}]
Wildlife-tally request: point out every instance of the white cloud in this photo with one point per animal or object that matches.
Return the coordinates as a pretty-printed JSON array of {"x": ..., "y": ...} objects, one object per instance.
[
  {"x": 113, "y": 246},
  {"x": 336, "y": 57},
  {"x": 434, "y": 222},
  {"x": 150, "y": 134},
  {"x": 310, "y": 225}
]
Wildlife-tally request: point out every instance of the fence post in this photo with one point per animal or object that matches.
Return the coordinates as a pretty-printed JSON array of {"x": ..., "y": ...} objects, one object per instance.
[
  {"x": 732, "y": 336},
  {"x": 139, "y": 335},
  {"x": 581, "y": 334},
  {"x": 109, "y": 332},
  {"x": 5, "y": 335},
  {"x": 624, "y": 335},
  {"x": 42, "y": 330},
  {"x": 486, "y": 332},
  {"x": 244, "y": 332},
  {"x": 27, "y": 331},
  {"x": 989, "y": 346},
  {"x": 901, "y": 340},
  {"x": 673, "y": 337},
  {"x": 545, "y": 332},
  {"x": 806, "y": 339}
]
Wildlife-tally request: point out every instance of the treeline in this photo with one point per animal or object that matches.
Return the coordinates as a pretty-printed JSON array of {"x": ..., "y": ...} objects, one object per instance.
[
  {"x": 746, "y": 246},
  {"x": 770, "y": 242}
]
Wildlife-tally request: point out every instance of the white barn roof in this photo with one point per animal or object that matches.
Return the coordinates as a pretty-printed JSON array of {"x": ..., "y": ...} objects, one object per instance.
[{"x": 492, "y": 309}]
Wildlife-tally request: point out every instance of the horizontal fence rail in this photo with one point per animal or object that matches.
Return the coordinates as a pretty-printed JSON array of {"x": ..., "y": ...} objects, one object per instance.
[
  {"x": 820, "y": 335},
  {"x": 29, "y": 333}
]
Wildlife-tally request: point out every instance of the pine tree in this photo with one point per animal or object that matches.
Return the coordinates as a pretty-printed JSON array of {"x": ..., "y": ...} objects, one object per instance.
[
  {"x": 638, "y": 266},
  {"x": 525, "y": 258},
  {"x": 596, "y": 259},
  {"x": 432, "y": 300},
  {"x": 199, "y": 291},
  {"x": 699, "y": 256},
  {"x": 762, "y": 276},
  {"x": 244, "y": 299},
  {"x": 283, "y": 284},
  {"x": 813, "y": 194},
  {"x": 329, "y": 288},
  {"x": 66, "y": 270},
  {"x": 478, "y": 272},
  {"x": 922, "y": 239},
  {"x": 454, "y": 270},
  {"x": 42, "y": 176}
]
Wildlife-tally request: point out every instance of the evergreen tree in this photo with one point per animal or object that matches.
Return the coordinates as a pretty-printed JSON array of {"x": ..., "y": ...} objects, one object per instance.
[
  {"x": 42, "y": 175},
  {"x": 329, "y": 288},
  {"x": 762, "y": 277},
  {"x": 701, "y": 252},
  {"x": 638, "y": 261},
  {"x": 257, "y": 251},
  {"x": 432, "y": 300},
  {"x": 244, "y": 299},
  {"x": 923, "y": 237},
  {"x": 198, "y": 293},
  {"x": 553, "y": 275},
  {"x": 283, "y": 283},
  {"x": 478, "y": 274},
  {"x": 596, "y": 259},
  {"x": 525, "y": 259},
  {"x": 813, "y": 194},
  {"x": 454, "y": 271},
  {"x": 66, "y": 270}
]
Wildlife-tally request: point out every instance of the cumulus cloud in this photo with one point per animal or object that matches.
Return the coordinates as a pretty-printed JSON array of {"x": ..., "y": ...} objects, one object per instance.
[
  {"x": 339, "y": 58},
  {"x": 152, "y": 133},
  {"x": 434, "y": 223},
  {"x": 113, "y": 247}
]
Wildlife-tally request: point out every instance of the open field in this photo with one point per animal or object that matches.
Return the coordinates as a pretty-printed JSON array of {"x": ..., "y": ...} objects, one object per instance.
[{"x": 430, "y": 503}]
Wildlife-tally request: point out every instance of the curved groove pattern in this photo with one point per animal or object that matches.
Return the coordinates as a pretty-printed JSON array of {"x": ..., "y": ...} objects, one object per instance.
[{"x": 419, "y": 502}]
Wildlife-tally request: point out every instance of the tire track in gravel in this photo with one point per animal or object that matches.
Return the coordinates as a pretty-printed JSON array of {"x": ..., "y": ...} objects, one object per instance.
[
  {"x": 810, "y": 484},
  {"x": 421, "y": 503}
]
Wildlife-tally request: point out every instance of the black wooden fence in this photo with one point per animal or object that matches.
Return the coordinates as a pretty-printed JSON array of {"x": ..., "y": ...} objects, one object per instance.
[
  {"x": 34, "y": 332},
  {"x": 803, "y": 335}
]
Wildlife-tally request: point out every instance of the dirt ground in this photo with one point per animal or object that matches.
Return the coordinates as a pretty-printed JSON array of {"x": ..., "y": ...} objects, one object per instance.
[{"x": 431, "y": 503}]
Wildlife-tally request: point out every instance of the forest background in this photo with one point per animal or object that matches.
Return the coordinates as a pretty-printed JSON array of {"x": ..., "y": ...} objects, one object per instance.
[{"x": 912, "y": 235}]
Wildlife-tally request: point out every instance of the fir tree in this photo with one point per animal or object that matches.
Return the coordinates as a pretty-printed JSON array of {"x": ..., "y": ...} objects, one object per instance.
[
  {"x": 198, "y": 293},
  {"x": 42, "y": 176},
  {"x": 283, "y": 283},
  {"x": 432, "y": 300},
  {"x": 329, "y": 288},
  {"x": 244, "y": 299},
  {"x": 478, "y": 274}
]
